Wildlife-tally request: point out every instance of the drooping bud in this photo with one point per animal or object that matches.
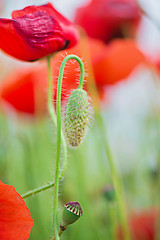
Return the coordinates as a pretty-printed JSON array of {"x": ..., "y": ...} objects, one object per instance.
[
  {"x": 72, "y": 212},
  {"x": 77, "y": 115}
]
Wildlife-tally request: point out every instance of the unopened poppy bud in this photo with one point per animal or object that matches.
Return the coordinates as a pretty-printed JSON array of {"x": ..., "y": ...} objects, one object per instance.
[
  {"x": 77, "y": 117},
  {"x": 109, "y": 193},
  {"x": 72, "y": 212}
]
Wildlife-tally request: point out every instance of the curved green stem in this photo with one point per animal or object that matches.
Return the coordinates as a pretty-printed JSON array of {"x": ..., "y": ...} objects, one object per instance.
[
  {"x": 53, "y": 114},
  {"x": 55, "y": 217}
]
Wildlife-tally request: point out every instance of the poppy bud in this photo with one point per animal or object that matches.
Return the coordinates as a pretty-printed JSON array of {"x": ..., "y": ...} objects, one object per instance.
[
  {"x": 77, "y": 117},
  {"x": 72, "y": 212}
]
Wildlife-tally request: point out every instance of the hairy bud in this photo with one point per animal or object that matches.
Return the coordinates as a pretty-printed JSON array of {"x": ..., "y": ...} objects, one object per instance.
[{"x": 77, "y": 117}]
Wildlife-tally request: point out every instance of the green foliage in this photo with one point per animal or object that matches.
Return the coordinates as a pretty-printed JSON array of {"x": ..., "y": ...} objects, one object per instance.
[{"x": 27, "y": 157}]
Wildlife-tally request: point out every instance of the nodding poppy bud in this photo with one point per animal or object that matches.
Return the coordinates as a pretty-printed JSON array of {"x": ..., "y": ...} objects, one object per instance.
[
  {"x": 72, "y": 212},
  {"x": 77, "y": 116}
]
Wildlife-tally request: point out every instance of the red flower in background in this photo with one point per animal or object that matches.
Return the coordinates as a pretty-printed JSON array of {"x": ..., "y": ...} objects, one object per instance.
[
  {"x": 26, "y": 90},
  {"x": 35, "y": 32},
  {"x": 156, "y": 64},
  {"x": 107, "y": 19},
  {"x": 15, "y": 219},
  {"x": 142, "y": 225},
  {"x": 116, "y": 61}
]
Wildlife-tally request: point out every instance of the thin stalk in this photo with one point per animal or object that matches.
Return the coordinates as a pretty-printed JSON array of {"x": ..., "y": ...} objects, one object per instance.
[
  {"x": 38, "y": 190},
  {"x": 116, "y": 179},
  {"x": 59, "y": 133},
  {"x": 56, "y": 186},
  {"x": 52, "y": 113},
  {"x": 62, "y": 228}
]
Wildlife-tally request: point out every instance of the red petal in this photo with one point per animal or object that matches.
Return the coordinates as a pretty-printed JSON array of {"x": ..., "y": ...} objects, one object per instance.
[
  {"x": 69, "y": 31},
  {"x": 35, "y": 32},
  {"x": 15, "y": 219},
  {"x": 48, "y": 8}
]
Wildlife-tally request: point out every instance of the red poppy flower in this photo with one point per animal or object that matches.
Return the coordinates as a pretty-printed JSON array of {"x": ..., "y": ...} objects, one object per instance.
[
  {"x": 15, "y": 219},
  {"x": 142, "y": 225},
  {"x": 35, "y": 32},
  {"x": 107, "y": 19}
]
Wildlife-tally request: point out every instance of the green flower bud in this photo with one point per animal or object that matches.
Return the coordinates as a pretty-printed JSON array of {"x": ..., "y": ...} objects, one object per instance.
[
  {"x": 77, "y": 117},
  {"x": 72, "y": 212}
]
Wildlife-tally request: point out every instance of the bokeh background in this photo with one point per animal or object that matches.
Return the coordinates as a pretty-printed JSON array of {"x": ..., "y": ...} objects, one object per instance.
[{"x": 131, "y": 113}]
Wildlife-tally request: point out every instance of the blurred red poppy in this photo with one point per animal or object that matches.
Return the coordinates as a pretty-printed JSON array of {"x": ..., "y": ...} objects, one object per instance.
[
  {"x": 15, "y": 219},
  {"x": 35, "y": 32},
  {"x": 142, "y": 225},
  {"x": 116, "y": 61},
  {"x": 156, "y": 64},
  {"x": 26, "y": 90},
  {"x": 108, "y": 19}
]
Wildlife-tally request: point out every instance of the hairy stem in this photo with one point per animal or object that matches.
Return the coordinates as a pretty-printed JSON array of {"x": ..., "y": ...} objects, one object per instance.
[
  {"x": 39, "y": 189},
  {"x": 52, "y": 113},
  {"x": 56, "y": 186}
]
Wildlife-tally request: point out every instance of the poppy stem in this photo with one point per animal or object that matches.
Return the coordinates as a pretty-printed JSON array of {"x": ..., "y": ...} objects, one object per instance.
[
  {"x": 116, "y": 179},
  {"x": 62, "y": 228},
  {"x": 59, "y": 134},
  {"x": 39, "y": 189},
  {"x": 52, "y": 113}
]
